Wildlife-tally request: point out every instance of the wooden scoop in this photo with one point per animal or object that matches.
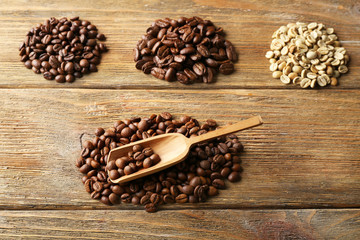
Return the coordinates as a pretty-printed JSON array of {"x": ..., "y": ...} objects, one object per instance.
[{"x": 174, "y": 147}]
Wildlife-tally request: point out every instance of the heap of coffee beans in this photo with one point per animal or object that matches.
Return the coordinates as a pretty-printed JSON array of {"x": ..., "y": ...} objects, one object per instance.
[
  {"x": 307, "y": 54},
  {"x": 63, "y": 49},
  {"x": 204, "y": 171},
  {"x": 187, "y": 50},
  {"x": 134, "y": 161}
]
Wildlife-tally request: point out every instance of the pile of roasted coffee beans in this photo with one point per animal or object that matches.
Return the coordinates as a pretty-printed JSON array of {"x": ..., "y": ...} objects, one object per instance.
[
  {"x": 204, "y": 171},
  {"x": 187, "y": 50},
  {"x": 134, "y": 161},
  {"x": 63, "y": 49}
]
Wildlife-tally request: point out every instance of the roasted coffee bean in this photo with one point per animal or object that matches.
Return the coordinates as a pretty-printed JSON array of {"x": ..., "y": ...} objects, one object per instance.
[
  {"x": 145, "y": 200},
  {"x": 188, "y": 189},
  {"x": 48, "y": 76},
  {"x": 170, "y": 74},
  {"x": 193, "y": 180},
  {"x": 180, "y": 50},
  {"x": 150, "y": 207},
  {"x": 226, "y": 68},
  {"x": 218, "y": 183},
  {"x": 234, "y": 177},
  {"x": 114, "y": 198},
  {"x": 57, "y": 48},
  {"x": 88, "y": 185},
  {"x": 105, "y": 200},
  {"x": 158, "y": 73},
  {"x": 213, "y": 191},
  {"x": 182, "y": 198}
]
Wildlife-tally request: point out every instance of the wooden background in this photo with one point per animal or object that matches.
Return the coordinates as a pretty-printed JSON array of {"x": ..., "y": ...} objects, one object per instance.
[{"x": 301, "y": 176}]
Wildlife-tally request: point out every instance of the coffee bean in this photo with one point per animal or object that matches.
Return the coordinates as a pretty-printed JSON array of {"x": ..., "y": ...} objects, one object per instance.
[
  {"x": 188, "y": 189},
  {"x": 97, "y": 186},
  {"x": 150, "y": 207},
  {"x": 218, "y": 183},
  {"x": 69, "y": 78},
  {"x": 88, "y": 185},
  {"x": 234, "y": 177},
  {"x": 158, "y": 73},
  {"x": 170, "y": 74},
  {"x": 114, "y": 174},
  {"x": 213, "y": 191},
  {"x": 114, "y": 198},
  {"x": 147, "y": 163},
  {"x": 48, "y": 76},
  {"x": 105, "y": 200},
  {"x": 226, "y": 68},
  {"x": 195, "y": 181},
  {"x": 59, "y": 45},
  {"x": 182, "y": 198}
]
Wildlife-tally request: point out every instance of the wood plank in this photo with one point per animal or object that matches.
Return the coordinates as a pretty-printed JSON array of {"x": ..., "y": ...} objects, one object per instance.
[
  {"x": 248, "y": 24},
  {"x": 342, "y": 224},
  {"x": 306, "y": 154}
]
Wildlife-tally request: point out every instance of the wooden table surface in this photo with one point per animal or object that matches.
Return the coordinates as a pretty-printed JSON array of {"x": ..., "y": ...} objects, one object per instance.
[{"x": 301, "y": 176}]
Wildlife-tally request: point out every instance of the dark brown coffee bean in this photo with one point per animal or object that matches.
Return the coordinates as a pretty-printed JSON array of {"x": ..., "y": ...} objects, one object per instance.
[
  {"x": 234, "y": 177},
  {"x": 182, "y": 198},
  {"x": 125, "y": 197},
  {"x": 195, "y": 181},
  {"x": 146, "y": 68},
  {"x": 211, "y": 62},
  {"x": 218, "y": 183},
  {"x": 170, "y": 74},
  {"x": 209, "y": 75},
  {"x": 60, "y": 78},
  {"x": 150, "y": 207},
  {"x": 187, "y": 50},
  {"x": 213, "y": 191},
  {"x": 69, "y": 78},
  {"x": 114, "y": 174},
  {"x": 203, "y": 50},
  {"x": 226, "y": 68},
  {"x": 225, "y": 172},
  {"x": 97, "y": 186},
  {"x": 114, "y": 198},
  {"x": 105, "y": 200},
  {"x": 48, "y": 76},
  {"x": 155, "y": 158},
  {"x": 188, "y": 189},
  {"x": 147, "y": 163},
  {"x": 168, "y": 198},
  {"x": 118, "y": 190},
  {"x": 183, "y": 78},
  {"x": 190, "y": 74},
  {"x": 155, "y": 198},
  {"x": 85, "y": 168},
  {"x": 223, "y": 148},
  {"x": 88, "y": 185},
  {"x": 145, "y": 200},
  {"x": 158, "y": 73},
  {"x": 199, "y": 68},
  {"x": 36, "y": 63}
]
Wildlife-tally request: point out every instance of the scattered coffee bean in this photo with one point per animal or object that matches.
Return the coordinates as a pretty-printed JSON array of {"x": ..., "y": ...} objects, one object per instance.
[
  {"x": 62, "y": 49},
  {"x": 307, "y": 54},
  {"x": 188, "y": 50},
  {"x": 193, "y": 180}
]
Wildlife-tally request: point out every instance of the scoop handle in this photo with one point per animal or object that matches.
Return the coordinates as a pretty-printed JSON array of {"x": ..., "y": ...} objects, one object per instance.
[{"x": 242, "y": 125}]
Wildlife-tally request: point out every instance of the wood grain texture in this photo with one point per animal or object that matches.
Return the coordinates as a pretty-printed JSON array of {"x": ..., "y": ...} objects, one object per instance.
[
  {"x": 306, "y": 154},
  {"x": 185, "y": 224},
  {"x": 248, "y": 24}
]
